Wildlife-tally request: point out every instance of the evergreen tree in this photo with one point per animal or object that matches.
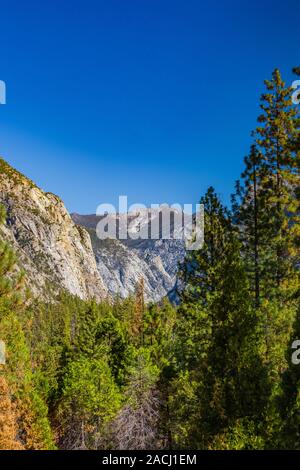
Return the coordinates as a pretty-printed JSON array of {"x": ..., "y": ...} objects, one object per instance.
[
  {"x": 249, "y": 216},
  {"x": 273, "y": 138},
  {"x": 113, "y": 333},
  {"x": 158, "y": 326},
  {"x": 139, "y": 310},
  {"x": 90, "y": 398},
  {"x": 197, "y": 272},
  {"x": 228, "y": 384},
  {"x": 86, "y": 339},
  {"x": 198, "y": 277}
]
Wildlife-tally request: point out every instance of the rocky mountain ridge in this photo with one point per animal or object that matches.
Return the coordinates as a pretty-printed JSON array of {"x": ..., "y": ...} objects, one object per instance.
[
  {"x": 62, "y": 251},
  {"x": 54, "y": 252},
  {"x": 123, "y": 262}
]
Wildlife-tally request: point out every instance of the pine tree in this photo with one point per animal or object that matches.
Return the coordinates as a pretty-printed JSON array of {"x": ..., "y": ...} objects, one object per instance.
[
  {"x": 234, "y": 388},
  {"x": 248, "y": 207},
  {"x": 113, "y": 333},
  {"x": 273, "y": 138},
  {"x": 86, "y": 339},
  {"x": 197, "y": 271},
  {"x": 228, "y": 382},
  {"x": 90, "y": 398},
  {"x": 139, "y": 310},
  {"x": 197, "y": 275},
  {"x": 158, "y": 327},
  {"x": 219, "y": 336}
]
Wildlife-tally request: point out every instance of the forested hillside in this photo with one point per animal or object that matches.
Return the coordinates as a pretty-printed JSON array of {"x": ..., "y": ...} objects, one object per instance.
[{"x": 215, "y": 372}]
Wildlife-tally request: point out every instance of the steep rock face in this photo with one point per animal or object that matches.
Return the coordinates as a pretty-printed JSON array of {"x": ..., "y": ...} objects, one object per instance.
[
  {"x": 54, "y": 251},
  {"x": 122, "y": 263},
  {"x": 62, "y": 251}
]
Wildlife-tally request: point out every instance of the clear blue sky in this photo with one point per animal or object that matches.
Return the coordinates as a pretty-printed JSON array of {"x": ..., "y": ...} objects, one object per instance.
[{"x": 154, "y": 99}]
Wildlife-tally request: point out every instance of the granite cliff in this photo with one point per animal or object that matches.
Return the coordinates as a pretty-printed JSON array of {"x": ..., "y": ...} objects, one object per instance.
[{"x": 54, "y": 251}]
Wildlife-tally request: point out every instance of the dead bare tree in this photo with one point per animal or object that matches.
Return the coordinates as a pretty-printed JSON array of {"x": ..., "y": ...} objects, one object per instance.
[{"x": 136, "y": 425}]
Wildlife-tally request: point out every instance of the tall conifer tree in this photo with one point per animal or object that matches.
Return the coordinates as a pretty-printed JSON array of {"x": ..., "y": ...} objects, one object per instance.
[{"x": 273, "y": 138}]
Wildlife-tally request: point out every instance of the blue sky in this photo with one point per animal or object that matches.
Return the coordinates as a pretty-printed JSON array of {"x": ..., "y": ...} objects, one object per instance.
[{"x": 154, "y": 99}]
